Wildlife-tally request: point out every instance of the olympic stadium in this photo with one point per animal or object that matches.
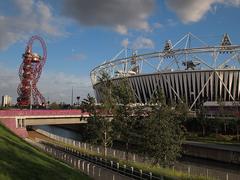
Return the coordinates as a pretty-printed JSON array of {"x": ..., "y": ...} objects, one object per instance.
[{"x": 190, "y": 71}]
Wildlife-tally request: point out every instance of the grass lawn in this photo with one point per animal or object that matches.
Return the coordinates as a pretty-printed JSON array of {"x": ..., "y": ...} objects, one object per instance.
[
  {"x": 20, "y": 161},
  {"x": 215, "y": 139}
]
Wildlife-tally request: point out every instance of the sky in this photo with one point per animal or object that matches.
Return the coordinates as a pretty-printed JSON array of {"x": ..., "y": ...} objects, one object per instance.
[{"x": 82, "y": 34}]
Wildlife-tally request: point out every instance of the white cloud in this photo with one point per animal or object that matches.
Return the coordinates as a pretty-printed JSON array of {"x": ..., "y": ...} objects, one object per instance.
[
  {"x": 121, "y": 29},
  {"x": 58, "y": 86},
  {"x": 31, "y": 16},
  {"x": 125, "y": 43},
  {"x": 143, "y": 43},
  {"x": 118, "y": 14},
  {"x": 77, "y": 57},
  {"x": 157, "y": 25},
  {"x": 193, "y": 11},
  {"x": 232, "y": 2},
  {"x": 55, "y": 86},
  {"x": 8, "y": 81}
]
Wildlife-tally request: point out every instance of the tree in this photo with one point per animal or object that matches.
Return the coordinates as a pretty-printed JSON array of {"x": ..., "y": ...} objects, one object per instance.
[
  {"x": 237, "y": 127},
  {"x": 107, "y": 108},
  {"x": 221, "y": 116},
  {"x": 107, "y": 100},
  {"x": 54, "y": 105},
  {"x": 123, "y": 121},
  {"x": 163, "y": 133},
  {"x": 98, "y": 129},
  {"x": 182, "y": 111},
  {"x": 90, "y": 131},
  {"x": 237, "y": 119},
  {"x": 201, "y": 117},
  {"x": 141, "y": 115},
  {"x": 88, "y": 105}
]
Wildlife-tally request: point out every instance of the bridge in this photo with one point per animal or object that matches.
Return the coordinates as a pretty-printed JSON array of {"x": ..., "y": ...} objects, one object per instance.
[{"x": 17, "y": 120}]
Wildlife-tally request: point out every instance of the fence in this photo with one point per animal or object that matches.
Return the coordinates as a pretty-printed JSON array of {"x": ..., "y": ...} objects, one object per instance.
[
  {"x": 92, "y": 170},
  {"x": 94, "y": 166},
  {"x": 98, "y": 149},
  {"x": 186, "y": 168}
]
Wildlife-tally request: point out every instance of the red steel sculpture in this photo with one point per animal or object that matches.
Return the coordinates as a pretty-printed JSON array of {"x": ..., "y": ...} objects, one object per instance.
[{"x": 29, "y": 74}]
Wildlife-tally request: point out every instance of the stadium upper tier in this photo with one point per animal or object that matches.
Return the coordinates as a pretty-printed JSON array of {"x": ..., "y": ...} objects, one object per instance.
[{"x": 189, "y": 71}]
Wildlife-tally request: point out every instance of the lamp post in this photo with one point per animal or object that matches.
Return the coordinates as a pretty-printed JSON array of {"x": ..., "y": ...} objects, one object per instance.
[{"x": 78, "y": 98}]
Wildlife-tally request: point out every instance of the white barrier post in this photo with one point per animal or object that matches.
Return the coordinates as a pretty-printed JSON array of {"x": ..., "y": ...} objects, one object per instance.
[
  {"x": 150, "y": 175},
  {"x": 88, "y": 167},
  {"x": 79, "y": 163},
  {"x": 132, "y": 169},
  {"x": 189, "y": 170},
  {"x": 83, "y": 165},
  {"x": 99, "y": 172},
  {"x": 134, "y": 158},
  {"x": 93, "y": 170}
]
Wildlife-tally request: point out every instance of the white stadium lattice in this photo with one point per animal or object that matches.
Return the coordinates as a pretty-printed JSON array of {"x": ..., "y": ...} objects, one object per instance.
[{"x": 189, "y": 71}]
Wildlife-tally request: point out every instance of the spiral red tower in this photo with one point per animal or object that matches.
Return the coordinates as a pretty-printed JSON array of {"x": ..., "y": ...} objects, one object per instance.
[{"x": 29, "y": 74}]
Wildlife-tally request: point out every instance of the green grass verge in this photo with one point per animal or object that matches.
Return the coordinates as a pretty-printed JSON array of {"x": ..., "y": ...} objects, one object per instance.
[
  {"x": 157, "y": 170},
  {"x": 20, "y": 161},
  {"x": 215, "y": 139}
]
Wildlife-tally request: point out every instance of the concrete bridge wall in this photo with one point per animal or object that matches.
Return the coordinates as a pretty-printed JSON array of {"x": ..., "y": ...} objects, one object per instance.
[{"x": 16, "y": 120}]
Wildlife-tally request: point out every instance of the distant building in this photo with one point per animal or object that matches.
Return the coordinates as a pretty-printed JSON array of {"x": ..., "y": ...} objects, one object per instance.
[
  {"x": 6, "y": 100},
  {"x": 221, "y": 109}
]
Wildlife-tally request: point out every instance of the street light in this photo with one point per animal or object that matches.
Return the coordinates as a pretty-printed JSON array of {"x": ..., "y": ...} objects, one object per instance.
[{"x": 78, "y": 98}]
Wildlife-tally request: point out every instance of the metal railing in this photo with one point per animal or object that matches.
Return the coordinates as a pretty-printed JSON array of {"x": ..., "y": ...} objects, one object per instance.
[
  {"x": 89, "y": 168},
  {"x": 190, "y": 169},
  {"x": 22, "y": 112},
  {"x": 108, "y": 164}
]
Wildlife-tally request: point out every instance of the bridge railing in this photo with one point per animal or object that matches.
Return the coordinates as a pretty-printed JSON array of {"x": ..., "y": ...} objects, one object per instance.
[{"x": 18, "y": 112}]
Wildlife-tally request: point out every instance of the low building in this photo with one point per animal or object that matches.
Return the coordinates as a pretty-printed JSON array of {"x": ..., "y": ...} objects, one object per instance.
[
  {"x": 6, "y": 100},
  {"x": 222, "y": 109}
]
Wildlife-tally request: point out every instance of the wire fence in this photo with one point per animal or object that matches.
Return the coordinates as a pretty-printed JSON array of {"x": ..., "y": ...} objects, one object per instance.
[
  {"x": 98, "y": 168},
  {"x": 182, "y": 167},
  {"x": 87, "y": 167}
]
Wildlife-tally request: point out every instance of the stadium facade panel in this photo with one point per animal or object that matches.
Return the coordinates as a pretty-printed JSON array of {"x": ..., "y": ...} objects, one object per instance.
[{"x": 191, "y": 87}]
